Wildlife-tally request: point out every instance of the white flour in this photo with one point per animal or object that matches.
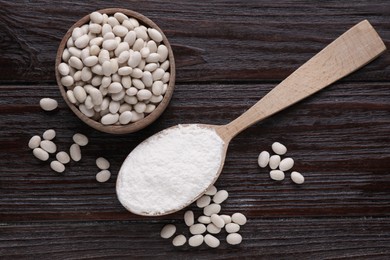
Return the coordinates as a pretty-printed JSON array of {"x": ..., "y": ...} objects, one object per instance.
[{"x": 170, "y": 169}]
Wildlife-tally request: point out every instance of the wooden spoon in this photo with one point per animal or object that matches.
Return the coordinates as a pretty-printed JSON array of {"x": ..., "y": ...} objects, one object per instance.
[{"x": 352, "y": 50}]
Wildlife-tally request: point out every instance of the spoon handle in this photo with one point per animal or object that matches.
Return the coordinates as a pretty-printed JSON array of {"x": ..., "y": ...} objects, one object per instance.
[{"x": 352, "y": 50}]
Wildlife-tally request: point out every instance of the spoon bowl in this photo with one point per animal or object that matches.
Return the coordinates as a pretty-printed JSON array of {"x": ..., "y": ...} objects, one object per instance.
[{"x": 349, "y": 52}]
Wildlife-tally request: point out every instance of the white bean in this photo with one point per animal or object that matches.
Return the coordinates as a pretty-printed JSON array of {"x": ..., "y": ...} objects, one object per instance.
[
  {"x": 153, "y": 57},
  {"x": 48, "y": 104},
  {"x": 125, "y": 71},
  {"x": 141, "y": 33},
  {"x": 213, "y": 229},
  {"x": 79, "y": 94},
  {"x": 34, "y": 142},
  {"x": 203, "y": 201},
  {"x": 122, "y": 47},
  {"x": 102, "y": 163},
  {"x": 138, "y": 83},
  {"x": 279, "y": 148},
  {"x": 144, "y": 94},
  {"x": 80, "y": 139},
  {"x": 168, "y": 231},
  {"x": 156, "y": 99},
  {"x": 63, "y": 157},
  {"x": 155, "y": 35},
  {"x": 125, "y": 117},
  {"x": 126, "y": 82},
  {"x": 120, "y": 30},
  {"x": 226, "y": 218},
  {"x": 232, "y": 228},
  {"x": 189, "y": 218},
  {"x": 41, "y": 154},
  {"x": 217, "y": 221},
  {"x": 234, "y": 239},
  {"x": 138, "y": 44},
  {"x": 220, "y": 196},
  {"x": 204, "y": 220},
  {"x": 75, "y": 152},
  {"x": 239, "y": 218},
  {"x": 110, "y": 44},
  {"x": 162, "y": 50},
  {"x": 96, "y": 17},
  {"x": 75, "y": 62},
  {"x": 150, "y": 108},
  {"x": 297, "y": 177},
  {"x": 263, "y": 159},
  {"x": 63, "y": 69},
  {"x": 212, "y": 209},
  {"x": 158, "y": 74},
  {"x": 274, "y": 161},
  {"x": 115, "y": 87},
  {"x": 140, "y": 107},
  {"x": 114, "y": 106},
  {"x": 49, "y": 134},
  {"x": 57, "y": 166},
  {"x": 130, "y": 38},
  {"x": 82, "y": 41},
  {"x": 109, "y": 119},
  {"x": 276, "y": 175},
  {"x": 91, "y": 61},
  {"x": 196, "y": 240},
  {"x": 179, "y": 240},
  {"x": 211, "y": 241},
  {"x": 103, "y": 176},
  {"x": 212, "y": 190},
  {"x": 123, "y": 57},
  {"x": 125, "y": 108},
  {"x": 151, "y": 67},
  {"x": 286, "y": 164},
  {"x": 95, "y": 28},
  {"x": 48, "y": 146},
  {"x": 135, "y": 59},
  {"x": 86, "y": 111}
]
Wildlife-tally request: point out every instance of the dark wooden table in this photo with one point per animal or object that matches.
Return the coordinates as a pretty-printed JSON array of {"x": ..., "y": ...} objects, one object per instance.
[{"x": 228, "y": 55}]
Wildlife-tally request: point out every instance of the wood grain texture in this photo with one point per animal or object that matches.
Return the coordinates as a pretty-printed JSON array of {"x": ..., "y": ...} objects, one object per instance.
[
  {"x": 283, "y": 238},
  {"x": 212, "y": 41},
  {"x": 229, "y": 54}
]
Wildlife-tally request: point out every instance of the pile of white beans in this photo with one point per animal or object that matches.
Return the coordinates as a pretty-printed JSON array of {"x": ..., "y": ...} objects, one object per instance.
[
  {"x": 210, "y": 221},
  {"x": 278, "y": 165},
  {"x": 43, "y": 147},
  {"x": 115, "y": 69}
]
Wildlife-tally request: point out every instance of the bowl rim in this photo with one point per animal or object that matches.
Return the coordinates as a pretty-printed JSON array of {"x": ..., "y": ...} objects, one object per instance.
[{"x": 131, "y": 127}]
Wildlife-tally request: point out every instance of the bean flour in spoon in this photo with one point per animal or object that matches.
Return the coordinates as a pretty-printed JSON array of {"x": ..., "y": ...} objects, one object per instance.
[{"x": 170, "y": 169}]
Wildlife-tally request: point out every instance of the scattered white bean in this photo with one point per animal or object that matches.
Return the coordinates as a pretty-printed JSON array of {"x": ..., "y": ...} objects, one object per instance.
[
  {"x": 80, "y": 139},
  {"x": 179, "y": 240},
  {"x": 168, "y": 231},
  {"x": 212, "y": 209},
  {"x": 211, "y": 241},
  {"x": 286, "y": 164},
  {"x": 49, "y": 134},
  {"x": 234, "y": 239},
  {"x": 75, "y": 152},
  {"x": 57, "y": 166},
  {"x": 263, "y": 159},
  {"x": 213, "y": 229},
  {"x": 196, "y": 240},
  {"x": 102, "y": 163},
  {"x": 274, "y": 161},
  {"x": 189, "y": 218},
  {"x": 276, "y": 175},
  {"x": 203, "y": 201},
  {"x": 217, "y": 221},
  {"x": 297, "y": 177},
  {"x": 279, "y": 148},
  {"x": 103, "y": 176},
  {"x": 239, "y": 218},
  {"x": 232, "y": 228},
  {"x": 220, "y": 196},
  {"x": 34, "y": 142},
  {"x": 48, "y": 104},
  {"x": 41, "y": 154},
  {"x": 197, "y": 229},
  {"x": 204, "y": 220},
  {"x": 226, "y": 218},
  {"x": 48, "y": 146},
  {"x": 211, "y": 190},
  {"x": 63, "y": 157}
]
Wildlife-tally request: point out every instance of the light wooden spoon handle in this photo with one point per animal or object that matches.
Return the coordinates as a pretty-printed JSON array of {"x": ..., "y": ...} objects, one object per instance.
[{"x": 352, "y": 50}]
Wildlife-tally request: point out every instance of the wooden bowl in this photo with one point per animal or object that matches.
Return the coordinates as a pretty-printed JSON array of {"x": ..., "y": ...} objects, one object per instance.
[{"x": 131, "y": 127}]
